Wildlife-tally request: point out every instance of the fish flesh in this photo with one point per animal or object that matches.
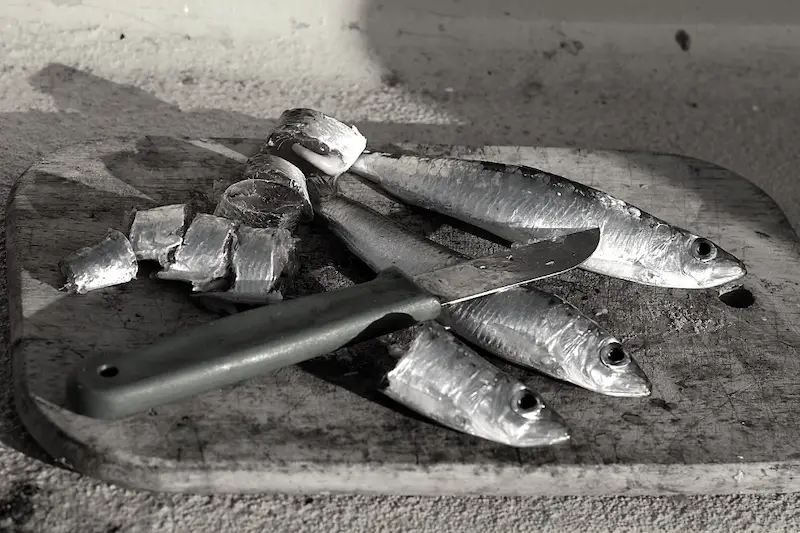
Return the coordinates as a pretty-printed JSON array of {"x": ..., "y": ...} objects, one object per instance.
[
  {"x": 156, "y": 233},
  {"x": 204, "y": 257},
  {"x": 524, "y": 325},
  {"x": 109, "y": 262},
  {"x": 523, "y": 204},
  {"x": 260, "y": 259},
  {"x": 269, "y": 167},
  {"x": 272, "y": 194},
  {"x": 310, "y": 136},
  {"x": 441, "y": 378},
  {"x": 260, "y": 203}
]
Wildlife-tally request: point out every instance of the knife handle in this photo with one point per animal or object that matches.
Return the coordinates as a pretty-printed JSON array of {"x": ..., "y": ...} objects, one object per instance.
[{"x": 248, "y": 344}]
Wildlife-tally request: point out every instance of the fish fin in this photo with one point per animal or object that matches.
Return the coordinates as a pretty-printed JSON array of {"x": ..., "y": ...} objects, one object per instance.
[{"x": 321, "y": 186}]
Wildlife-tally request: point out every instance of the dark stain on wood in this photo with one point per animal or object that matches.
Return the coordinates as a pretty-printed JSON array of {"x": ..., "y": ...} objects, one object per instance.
[
  {"x": 683, "y": 39},
  {"x": 662, "y": 404}
]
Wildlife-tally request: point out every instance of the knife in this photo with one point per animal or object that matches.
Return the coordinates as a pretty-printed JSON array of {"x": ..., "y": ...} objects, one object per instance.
[{"x": 255, "y": 342}]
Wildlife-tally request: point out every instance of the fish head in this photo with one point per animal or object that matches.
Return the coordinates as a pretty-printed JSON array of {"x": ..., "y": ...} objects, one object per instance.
[
  {"x": 679, "y": 259},
  {"x": 706, "y": 265},
  {"x": 611, "y": 370},
  {"x": 523, "y": 419}
]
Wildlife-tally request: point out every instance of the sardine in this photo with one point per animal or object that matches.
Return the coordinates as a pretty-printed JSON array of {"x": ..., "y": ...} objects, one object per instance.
[
  {"x": 524, "y": 325},
  {"x": 156, "y": 233},
  {"x": 328, "y": 144},
  {"x": 204, "y": 257},
  {"x": 442, "y": 379},
  {"x": 109, "y": 262},
  {"x": 523, "y": 204}
]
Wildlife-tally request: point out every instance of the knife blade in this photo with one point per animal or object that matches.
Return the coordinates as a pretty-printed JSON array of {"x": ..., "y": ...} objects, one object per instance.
[{"x": 252, "y": 343}]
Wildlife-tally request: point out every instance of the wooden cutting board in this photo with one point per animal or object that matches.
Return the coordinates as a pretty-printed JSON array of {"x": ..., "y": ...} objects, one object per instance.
[{"x": 722, "y": 417}]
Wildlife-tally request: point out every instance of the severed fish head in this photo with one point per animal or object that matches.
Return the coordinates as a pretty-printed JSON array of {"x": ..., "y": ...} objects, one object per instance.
[
  {"x": 608, "y": 368},
  {"x": 441, "y": 378},
  {"x": 327, "y": 144}
]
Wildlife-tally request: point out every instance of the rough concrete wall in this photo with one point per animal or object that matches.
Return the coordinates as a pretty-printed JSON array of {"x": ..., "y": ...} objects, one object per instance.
[{"x": 470, "y": 72}]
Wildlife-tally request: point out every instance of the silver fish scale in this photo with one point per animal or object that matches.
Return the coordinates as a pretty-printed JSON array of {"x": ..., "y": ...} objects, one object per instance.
[{"x": 531, "y": 328}]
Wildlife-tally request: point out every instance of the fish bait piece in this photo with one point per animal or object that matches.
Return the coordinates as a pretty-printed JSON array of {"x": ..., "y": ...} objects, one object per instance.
[
  {"x": 524, "y": 325},
  {"x": 156, "y": 233},
  {"x": 523, "y": 204},
  {"x": 260, "y": 257},
  {"x": 260, "y": 203},
  {"x": 273, "y": 194},
  {"x": 204, "y": 257},
  {"x": 110, "y": 262},
  {"x": 442, "y": 379},
  {"x": 329, "y": 145},
  {"x": 269, "y": 167}
]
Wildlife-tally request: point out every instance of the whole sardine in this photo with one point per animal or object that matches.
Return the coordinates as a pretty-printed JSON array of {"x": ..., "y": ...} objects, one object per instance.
[
  {"x": 442, "y": 379},
  {"x": 523, "y": 204},
  {"x": 523, "y": 325}
]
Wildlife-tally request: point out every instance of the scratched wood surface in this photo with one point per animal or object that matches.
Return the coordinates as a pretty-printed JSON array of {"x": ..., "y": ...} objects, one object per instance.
[{"x": 722, "y": 417}]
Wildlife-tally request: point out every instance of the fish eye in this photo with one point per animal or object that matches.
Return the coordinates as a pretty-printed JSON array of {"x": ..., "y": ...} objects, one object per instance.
[
  {"x": 526, "y": 402},
  {"x": 614, "y": 355},
  {"x": 703, "y": 249}
]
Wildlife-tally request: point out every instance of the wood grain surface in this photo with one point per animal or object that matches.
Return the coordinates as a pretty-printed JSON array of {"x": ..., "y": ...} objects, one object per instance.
[{"x": 722, "y": 417}]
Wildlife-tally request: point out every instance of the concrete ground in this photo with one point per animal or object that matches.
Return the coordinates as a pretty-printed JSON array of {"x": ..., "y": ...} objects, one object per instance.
[{"x": 715, "y": 79}]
